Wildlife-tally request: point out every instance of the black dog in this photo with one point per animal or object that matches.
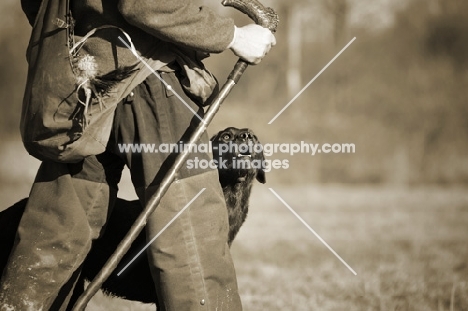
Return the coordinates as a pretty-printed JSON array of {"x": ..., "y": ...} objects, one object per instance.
[
  {"x": 138, "y": 285},
  {"x": 243, "y": 165}
]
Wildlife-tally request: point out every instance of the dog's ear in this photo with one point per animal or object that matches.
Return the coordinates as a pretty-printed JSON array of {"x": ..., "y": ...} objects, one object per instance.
[
  {"x": 215, "y": 144},
  {"x": 261, "y": 171},
  {"x": 261, "y": 176}
]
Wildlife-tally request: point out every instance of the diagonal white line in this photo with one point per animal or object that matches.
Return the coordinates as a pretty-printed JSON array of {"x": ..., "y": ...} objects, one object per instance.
[
  {"x": 160, "y": 232},
  {"x": 311, "y": 81},
  {"x": 312, "y": 230},
  {"x": 162, "y": 80}
]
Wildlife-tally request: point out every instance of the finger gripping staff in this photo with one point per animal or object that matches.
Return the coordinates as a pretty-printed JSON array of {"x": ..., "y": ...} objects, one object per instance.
[{"x": 261, "y": 15}]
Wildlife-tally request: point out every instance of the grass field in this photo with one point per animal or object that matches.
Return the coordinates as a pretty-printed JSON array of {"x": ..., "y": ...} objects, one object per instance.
[{"x": 409, "y": 247}]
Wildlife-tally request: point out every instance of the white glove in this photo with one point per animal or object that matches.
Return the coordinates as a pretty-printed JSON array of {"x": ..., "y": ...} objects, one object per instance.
[{"x": 252, "y": 42}]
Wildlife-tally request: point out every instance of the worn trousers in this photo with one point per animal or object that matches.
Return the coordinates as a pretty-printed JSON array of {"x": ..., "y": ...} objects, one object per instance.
[{"x": 69, "y": 205}]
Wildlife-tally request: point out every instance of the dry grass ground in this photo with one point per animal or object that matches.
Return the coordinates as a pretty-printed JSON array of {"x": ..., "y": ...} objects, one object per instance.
[{"x": 408, "y": 246}]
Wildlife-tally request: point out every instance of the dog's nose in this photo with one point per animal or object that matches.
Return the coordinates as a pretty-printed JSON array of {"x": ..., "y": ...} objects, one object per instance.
[{"x": 245, "y": 136}]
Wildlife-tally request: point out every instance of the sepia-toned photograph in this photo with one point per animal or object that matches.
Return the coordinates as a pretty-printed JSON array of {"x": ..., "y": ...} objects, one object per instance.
[{"x": 228, "y": 155}]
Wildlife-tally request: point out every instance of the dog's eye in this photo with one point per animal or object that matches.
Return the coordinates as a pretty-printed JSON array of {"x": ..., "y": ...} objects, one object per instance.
[{"x": 226, "y": 136}]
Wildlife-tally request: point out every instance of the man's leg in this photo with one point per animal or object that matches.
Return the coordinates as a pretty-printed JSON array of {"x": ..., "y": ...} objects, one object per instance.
[
  {"x": 67, "y": 208},
  {"x": 190, "y": 262}
]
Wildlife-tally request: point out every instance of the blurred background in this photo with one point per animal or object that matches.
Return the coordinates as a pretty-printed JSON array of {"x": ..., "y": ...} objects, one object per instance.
[
  {"x": 397, "y": 209},
  {"x": 398, "y": 92}
]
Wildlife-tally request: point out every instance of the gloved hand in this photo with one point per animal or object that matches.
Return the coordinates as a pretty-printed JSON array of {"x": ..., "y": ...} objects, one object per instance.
[{"x": 252, "y": 42}]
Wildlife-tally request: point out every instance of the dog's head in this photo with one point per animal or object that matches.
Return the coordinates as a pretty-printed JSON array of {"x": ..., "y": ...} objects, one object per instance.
[{"x": 239, "y": 155}]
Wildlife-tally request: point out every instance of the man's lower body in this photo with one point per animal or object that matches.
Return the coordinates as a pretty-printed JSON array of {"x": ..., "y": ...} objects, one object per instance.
[{"x": 69, "y": 204}]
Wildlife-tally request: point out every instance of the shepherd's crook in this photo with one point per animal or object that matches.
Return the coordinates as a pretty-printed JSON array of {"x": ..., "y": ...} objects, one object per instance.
[{"x": 265, "y": 17}]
